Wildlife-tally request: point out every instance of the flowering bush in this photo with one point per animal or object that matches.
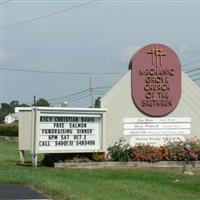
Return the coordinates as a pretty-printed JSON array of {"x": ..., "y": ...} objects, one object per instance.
[
  {"x": 173, "y": 151},
  {"x": 146, "y": 153}
]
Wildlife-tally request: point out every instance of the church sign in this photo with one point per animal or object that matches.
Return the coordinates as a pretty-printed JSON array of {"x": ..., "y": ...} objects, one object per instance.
[
  {"x": 60, "y": 130},
  {"x": 156, "y": 80},
  {"x": 69, "y": 132},
  {"x": 156, "y": 131}
]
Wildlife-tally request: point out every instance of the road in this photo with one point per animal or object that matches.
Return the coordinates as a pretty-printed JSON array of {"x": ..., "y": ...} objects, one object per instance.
[{"x": 15, "y": 191}]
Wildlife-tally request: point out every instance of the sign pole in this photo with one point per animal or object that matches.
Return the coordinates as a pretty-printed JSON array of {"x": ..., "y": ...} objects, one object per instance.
[
  {"x": 21, "y": 156},
  {"x": 91, "y": 94},
  {"x": 34, "y": 154}
]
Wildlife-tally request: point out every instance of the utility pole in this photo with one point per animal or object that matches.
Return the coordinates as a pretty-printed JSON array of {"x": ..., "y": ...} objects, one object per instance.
[
  {"x": 34, "y": 100},
  {"x": 91, "y": 94}
]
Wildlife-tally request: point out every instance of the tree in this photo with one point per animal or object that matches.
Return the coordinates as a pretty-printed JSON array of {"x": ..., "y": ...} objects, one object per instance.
[
  {"x": 6, "y": 108},
  {"x": 97, "y": 103},
  {"x": 13, "y": 104},
  {"x": 23, "y": 105},
  {"x": 42, "y": 102}
]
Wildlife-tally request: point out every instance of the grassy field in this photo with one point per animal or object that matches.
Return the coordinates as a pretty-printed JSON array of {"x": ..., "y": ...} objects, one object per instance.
[{"x": 109, "y": 184}]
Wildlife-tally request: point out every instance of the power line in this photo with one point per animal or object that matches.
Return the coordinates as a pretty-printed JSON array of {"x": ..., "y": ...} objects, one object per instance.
[
  {"x": 195, "y": 75},
  {"x": 85, "y": 96},
  {"x": 73, "y": 97},
  {"x": 4, "y": 2},
  {"x": 79, "y": 73},
  {"x": 192, "y": 70},
  {"x": 68, "y": 96},
  {"x": 64, "y": 97},
  {"x": 8, "y": 68},
  {"x": 48, "y": 15},
  {"x": 77, "y": 94},
  {"x": 193, "y": 62},
  {"x": 79, "y": 98},
  {"x": 101, "y": 87},
  {"x": 83, "y": 91},
  {"x": 97, "y": 90},
  {"x": 99, "y": 93},
  {"x": 61, "y": 72},
  {"x": 196, "y": 79}
]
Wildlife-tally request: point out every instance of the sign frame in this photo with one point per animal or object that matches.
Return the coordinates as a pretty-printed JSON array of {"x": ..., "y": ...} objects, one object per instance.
[
  {"x": 34, "y": 126},
  {"x": 75, "y": 150}
]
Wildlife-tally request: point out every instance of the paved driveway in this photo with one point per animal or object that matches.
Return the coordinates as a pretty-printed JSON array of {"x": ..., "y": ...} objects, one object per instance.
[{"x": 14, "y": 191}]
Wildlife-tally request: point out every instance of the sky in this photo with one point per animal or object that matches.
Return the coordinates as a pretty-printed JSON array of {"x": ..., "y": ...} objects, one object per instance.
[{"x": 96, "y": 37}]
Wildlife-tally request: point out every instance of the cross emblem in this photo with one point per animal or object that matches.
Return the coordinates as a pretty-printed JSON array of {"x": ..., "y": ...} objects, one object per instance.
[{"x": 157, "y": 54}]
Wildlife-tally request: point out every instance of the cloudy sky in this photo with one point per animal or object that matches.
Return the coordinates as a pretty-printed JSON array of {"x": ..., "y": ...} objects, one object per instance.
[{"x": 96, "y": 37}]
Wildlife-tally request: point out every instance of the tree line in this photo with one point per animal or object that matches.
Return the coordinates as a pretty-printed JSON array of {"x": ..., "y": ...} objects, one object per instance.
[{"x": 7, "y": 108}]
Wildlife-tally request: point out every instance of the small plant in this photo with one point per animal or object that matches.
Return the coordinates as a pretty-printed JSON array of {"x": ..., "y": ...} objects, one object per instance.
[
  {"x": 98, "y": 157},
  {"x": 120, "y": 151}
]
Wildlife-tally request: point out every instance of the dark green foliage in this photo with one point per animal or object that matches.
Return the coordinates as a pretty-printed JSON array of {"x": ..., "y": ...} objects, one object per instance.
[
  {"x": 5, "y": 110},
  {"x": 120, "y": 151},
  {"x": 9, "y": 108},
  {"x": 2, "y": 115},
  {"x": 13, "y": 104},
  {"x": 9, "y": 130},
  {"x": 97, "y": 103},
  {"x": 42, "y": 102}
]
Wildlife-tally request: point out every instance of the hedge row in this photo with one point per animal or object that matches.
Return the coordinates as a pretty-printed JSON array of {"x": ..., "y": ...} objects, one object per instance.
[{"x": 9, "y": 130}]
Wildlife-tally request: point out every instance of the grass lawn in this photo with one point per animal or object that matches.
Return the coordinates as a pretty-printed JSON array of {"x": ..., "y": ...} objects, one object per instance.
[{"x": 99, "y": 184}]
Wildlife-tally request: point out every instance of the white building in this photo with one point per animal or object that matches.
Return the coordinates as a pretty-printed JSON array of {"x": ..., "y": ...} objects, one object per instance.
[
  {"x": 142, "y": 111},
  {"x": 11, "y": 118},
  {"x": 120, "y": 108}
]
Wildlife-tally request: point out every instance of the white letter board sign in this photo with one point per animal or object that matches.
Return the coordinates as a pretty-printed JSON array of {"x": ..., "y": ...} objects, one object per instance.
[
  {"x": 69, "y": 132},
  {"x": 60, "y": 130}
]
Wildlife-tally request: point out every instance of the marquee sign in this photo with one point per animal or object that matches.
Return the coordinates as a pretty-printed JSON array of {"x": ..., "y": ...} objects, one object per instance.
[
  {"x": 60, "y": 130},
  {"x": 156, "y": 80},
  {"x": 69, "y": 132}
]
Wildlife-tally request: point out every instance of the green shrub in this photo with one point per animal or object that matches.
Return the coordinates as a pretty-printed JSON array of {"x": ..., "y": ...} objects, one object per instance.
[
  {"x": 9, "y": 130},
  {"x": 120, "y": 151}
]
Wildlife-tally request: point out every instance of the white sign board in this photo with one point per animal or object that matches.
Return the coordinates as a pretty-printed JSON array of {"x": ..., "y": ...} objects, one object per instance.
[
  {"x": 69, "y": 132},
  {"x": 156, "y": 131},
  {"x": 60, "y": 130}
]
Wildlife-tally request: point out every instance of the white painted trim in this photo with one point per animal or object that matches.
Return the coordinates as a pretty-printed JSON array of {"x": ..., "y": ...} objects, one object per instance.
[{"x": 62, "y": 109}]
